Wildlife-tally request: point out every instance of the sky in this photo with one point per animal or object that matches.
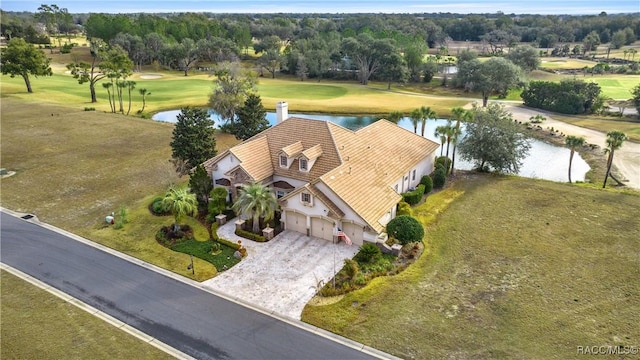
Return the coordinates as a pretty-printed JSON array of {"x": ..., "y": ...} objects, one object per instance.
[{"x": 574, "y": 7}]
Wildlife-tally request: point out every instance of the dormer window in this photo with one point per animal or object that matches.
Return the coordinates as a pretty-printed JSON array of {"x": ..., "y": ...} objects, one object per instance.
[
  {"x": 306, "y": 198},
  {"x": 284, "y": 162},
  {"x": 304, "y": 165}
]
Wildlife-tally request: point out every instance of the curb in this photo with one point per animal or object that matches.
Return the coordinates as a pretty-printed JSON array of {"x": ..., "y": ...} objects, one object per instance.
[
  {"x": 294, "y": 322},
  {"x": 97, "y": 313}
]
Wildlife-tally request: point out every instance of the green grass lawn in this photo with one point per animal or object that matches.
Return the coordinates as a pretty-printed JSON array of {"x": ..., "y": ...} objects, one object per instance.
[
  {"x": 75, "y": 167},
  {"x": 515, "y": 268},
  {"x": 38, "y": 325}
]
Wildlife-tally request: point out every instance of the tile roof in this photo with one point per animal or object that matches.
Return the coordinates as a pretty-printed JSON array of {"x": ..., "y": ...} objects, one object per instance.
[
  {"x": 374, "y": 157},
  {"x": 293, "y": 149},
  {"x": 313, "y": 152},
  {"x": 359, "y": 166}
]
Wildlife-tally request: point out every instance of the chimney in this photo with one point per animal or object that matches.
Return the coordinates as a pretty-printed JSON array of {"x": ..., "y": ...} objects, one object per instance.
[{"x": 282, "y": 111}]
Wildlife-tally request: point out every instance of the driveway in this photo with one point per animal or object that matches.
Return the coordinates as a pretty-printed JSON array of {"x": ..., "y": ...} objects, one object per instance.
[{"x": 280, "y": 275}]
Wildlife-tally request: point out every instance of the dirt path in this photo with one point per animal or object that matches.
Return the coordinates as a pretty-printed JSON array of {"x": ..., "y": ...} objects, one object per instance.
[{"x": 626, "y": 160}]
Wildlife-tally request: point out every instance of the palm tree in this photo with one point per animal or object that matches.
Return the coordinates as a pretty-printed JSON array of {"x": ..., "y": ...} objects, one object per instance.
[
  {"x": 108, "y": 86},
  {"x": 130, "y": 86},
  {"x": 180, "y": 202},
  {"x": 395, "y": 116},
  {"x": 615, "y": 139},
  {"x": 427, "y": 114},
  {"x": 416, "y": 116},
  {"x": 573, "y": 142},
  {"x": 256, "y": 200},
  {"x": 441, "y": 132},
  {"x": 460, "y": 114},
  {"x": 144, "y": 94}
]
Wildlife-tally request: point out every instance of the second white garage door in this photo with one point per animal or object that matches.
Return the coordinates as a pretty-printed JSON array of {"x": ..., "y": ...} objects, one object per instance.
[{"x": 322, "y": 228}]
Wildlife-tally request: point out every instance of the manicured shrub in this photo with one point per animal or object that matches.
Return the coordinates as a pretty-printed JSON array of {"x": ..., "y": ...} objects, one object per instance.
[
  {"x": 439, "y": 178},
  {"x": 404, "y": 209},
  {"x": 157, "y": 208},
  {"x": 214, "y": 231},
  {"x": 229, "y": 243},
  {"x": 351, "y": 268},
  {"x": 368, "y": 253},
  {"x": 249, "y": 235},
  {"x": 406, "y": 229},
  {"x": 428, "y": 183},
  {"x": 445, "y": 162},
  {"x": 413, "y": 197}
]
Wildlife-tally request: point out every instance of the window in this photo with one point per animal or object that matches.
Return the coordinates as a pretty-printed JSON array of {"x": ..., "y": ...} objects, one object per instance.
[
  {"x": 283, "y": 160},
  {"x": 306, "y": 198},
  {"x": 303, "y": 164},
  {"x": 413, "y": 175},
  {"x": 279, "y": 194},
  {"x": 396, "y": 187}
]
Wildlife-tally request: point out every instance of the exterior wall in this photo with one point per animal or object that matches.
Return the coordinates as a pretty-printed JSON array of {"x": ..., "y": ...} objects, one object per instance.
[
  {"x": 225, "y": 164},
  {"x": 407, "y": 181},
  {"x": 293, "y": 182}
]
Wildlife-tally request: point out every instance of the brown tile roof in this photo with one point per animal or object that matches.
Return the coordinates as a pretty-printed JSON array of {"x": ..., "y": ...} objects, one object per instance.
[
  {"x": 293, "y": 149},
  {"x": 313, "y": 152},
  {"x": 359, "y": 166},
  {"x": 373, "y": 158},
  {"x": 255, "y": 158}
]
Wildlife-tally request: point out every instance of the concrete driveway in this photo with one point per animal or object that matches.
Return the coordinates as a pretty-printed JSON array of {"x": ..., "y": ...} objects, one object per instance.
[{"x": 280, "y": 275}]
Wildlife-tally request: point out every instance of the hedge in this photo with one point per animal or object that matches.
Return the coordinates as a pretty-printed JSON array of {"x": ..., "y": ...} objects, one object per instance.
[
  {"x": 413, "y": 197},
  {"x": 428, "y": 183},
  {"x": 249, "y": 235}
]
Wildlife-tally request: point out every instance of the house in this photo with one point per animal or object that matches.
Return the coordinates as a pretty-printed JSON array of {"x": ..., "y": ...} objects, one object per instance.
[{"x": 327, "y": 177}]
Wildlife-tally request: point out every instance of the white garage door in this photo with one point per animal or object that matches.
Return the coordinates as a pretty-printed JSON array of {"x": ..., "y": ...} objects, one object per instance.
[
  {"x": 296, "y": 222},
  {"x": 322, "y": 228},
  {"x": 354, "y": 232}
]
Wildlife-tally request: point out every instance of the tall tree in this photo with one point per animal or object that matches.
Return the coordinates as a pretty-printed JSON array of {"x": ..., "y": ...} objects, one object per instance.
[
  {"x": 615, "y": 139},
  {"x": 416, "y": 116},
  {"x": 105, "y": 60},
  {"x": 256, "y": 201},
  {"x": 185, "y": 55},
  {"x": 427, "y": 114},
  {"x": 201, "y": 184},
  {"x": 573, "y": 142},
  {"x": 636, "y": 98},
  {"x": 180, "y": 202},
  {"x": 144, "y": 92},
  {"x": 367, "y": 53},
  {"x": 252, "y": 118},
  {"x": 231, "y": 87},
  {"x": 193, "y": 141},
  {"x": 22, "y": 59},
  {"x": 271, "y": 58},
  {"x": 459, "y": 114},
  {"x": 493, "y": 139},
  {"x": 494, "y": 76},
  {"x": 525, "y": 56},
  {"x": 395, "y": 116},
  {"x": 48, "y": 14}
]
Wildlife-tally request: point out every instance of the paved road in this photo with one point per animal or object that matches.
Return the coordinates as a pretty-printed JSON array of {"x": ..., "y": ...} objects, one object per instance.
[{"x": 191, "y": 320}]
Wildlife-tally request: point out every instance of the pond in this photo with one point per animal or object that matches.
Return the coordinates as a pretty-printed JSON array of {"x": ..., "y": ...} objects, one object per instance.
[{"x": 545, "y": 161}]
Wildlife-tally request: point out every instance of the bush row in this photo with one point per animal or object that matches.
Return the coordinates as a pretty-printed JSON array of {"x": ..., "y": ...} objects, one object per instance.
[
  {"x": 413, "y": 197},
  {"x": 249, "y": 235}
]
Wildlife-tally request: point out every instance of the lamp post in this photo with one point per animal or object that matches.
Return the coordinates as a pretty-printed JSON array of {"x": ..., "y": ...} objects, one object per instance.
[{"x": 190, "y": 267}]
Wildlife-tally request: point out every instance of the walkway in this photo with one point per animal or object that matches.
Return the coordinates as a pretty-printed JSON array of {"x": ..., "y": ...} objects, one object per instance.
[{"x": 281, "y": 275}]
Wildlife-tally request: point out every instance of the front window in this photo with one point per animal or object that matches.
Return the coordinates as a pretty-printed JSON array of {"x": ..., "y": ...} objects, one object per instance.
[
  {"x": 306, "y": 198},
  {"x": 303, "y": 164},
  {"x": 413, "y": 175},
  {"x": 283, "y": 161},
  {"x": 279, "y": 193}
]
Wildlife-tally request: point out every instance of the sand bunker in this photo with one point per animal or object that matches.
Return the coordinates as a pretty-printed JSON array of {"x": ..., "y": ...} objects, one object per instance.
[{"x": 150, "y": 76}]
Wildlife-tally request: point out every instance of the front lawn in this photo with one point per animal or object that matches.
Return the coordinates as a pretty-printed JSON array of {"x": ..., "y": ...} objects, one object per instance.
[
  {"x": 514, "y": 268},
  {"x": 223, "y": 259}
]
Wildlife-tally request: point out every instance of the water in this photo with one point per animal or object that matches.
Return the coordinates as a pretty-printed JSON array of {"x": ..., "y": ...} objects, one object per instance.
[{"x": 545, "y": 161}]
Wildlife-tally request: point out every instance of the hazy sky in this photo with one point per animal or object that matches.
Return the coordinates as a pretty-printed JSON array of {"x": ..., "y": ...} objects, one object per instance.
[{"x": 335, "y": 6}]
